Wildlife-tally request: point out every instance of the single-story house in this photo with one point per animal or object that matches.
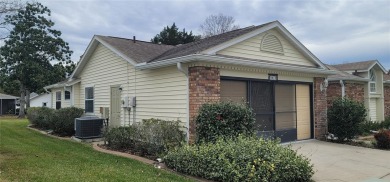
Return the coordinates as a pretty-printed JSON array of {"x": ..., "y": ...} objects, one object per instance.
[
  {"x": 41, "y": 100},
  {"x": 8, "y": 104},
  {"x": 365, "y": 81},
  {"x": 263, "y": 65}
]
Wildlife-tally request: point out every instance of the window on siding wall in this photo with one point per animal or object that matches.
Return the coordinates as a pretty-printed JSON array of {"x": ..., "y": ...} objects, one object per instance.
[
  {"x": 89, "y": 99},
  {"x": 58, "y": 100},
  {"x": 67, "y": 95},
  {"x": 372, "y": 81}
]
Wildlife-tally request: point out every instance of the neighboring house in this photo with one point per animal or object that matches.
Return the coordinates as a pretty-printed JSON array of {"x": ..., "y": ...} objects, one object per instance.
[
  {"x": 263, "y": 65},
  {"x": 365, "y": 81},
  {"x": 42, "y": 100},
  {"x": 8, "y": 104}
]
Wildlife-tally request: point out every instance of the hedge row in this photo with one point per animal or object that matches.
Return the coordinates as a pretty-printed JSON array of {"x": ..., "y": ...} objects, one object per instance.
[
  {"x": 150, "y": 138},
  {"x": 240, "y": 159},
  {"x": 61, "y": 121}
]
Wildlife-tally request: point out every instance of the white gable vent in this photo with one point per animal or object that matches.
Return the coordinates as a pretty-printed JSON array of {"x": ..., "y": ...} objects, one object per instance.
[{"x": 271, "y": 43}]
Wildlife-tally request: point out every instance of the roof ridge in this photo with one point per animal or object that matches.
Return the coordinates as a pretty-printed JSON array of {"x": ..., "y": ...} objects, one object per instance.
[
  {"x": 355, "y": 62},
  {"x": 129, "y": 39}
]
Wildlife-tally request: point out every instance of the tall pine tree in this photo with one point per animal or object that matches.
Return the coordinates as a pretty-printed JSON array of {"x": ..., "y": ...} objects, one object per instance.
[{"x": 31, "y": 47}]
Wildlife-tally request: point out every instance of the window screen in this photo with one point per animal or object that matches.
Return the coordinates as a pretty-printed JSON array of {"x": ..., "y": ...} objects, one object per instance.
[
  {"x": 89, "y": 99},
  {"x": 58, "y": 100},
  {"x": 235, "y": 91}
]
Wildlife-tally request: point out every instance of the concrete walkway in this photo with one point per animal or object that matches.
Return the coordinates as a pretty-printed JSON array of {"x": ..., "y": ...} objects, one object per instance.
[{"x": 338, "y": 162}]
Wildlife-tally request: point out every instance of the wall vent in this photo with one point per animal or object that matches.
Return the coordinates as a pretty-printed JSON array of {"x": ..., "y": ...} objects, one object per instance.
[{"x": 271, "y": 43}]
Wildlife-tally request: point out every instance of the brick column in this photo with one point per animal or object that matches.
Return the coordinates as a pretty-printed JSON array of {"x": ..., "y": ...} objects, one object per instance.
[
  {"x": 204, "y": 86},
  {"x": 320, "y": 109},
  {"x": 386, "y": 94}
]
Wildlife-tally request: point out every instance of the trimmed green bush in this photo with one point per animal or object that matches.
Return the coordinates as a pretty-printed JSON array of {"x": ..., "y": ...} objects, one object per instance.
[
  {"x": 151, "y": 137},
  {"x": 40, "y": 117},
  {"x": 345, "y": 117},
  {"x": 60, "y": 121},
  {"x": 63, "y": 120},
  {"x": 383, "y": 139},
  {"x": 223, "y": 119},
  {"x": 240, "y": 159},
  {"x": 366, "y": 126}
]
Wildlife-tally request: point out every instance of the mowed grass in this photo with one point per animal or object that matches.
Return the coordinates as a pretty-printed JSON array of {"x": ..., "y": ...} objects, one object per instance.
[{"x": 26, "y": 155}]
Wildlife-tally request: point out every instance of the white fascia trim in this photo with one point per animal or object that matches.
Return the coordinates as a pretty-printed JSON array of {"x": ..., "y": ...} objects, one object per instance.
[
  {"x": 350, "y": 79},
  {"x": 379, "y": 64},
  {"x": 91, "y": 47},
  {"x": 67, "y": 84},
  {"x": 131, "y": 61},
  {"x": 233, "y": 61},
  {"x": 276, "y": 24}
]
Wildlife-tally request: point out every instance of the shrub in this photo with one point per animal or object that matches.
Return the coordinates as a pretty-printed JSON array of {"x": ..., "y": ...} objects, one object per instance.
[
  {"x": 366, "y": 126},
  {"x": 345, "y": 117},
  {"x": 383, "y": 139},
  {"x": 151, "y": 137},
  {"x": 223, "y": 119},
  {"x": 240, "y": 159},
  {"x": 40, "y": 117},
  {"x": 63, "y": 120}
]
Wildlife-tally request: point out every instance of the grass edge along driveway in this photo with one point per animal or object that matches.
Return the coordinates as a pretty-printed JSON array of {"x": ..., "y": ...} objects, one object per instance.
[{"x": 26, "y": 155}]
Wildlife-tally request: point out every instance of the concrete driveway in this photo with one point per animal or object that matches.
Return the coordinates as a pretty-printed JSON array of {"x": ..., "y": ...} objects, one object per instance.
[{"x": 338, "y": 162}]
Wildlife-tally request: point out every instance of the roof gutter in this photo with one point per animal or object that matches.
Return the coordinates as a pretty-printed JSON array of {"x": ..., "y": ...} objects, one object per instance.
[
  {"x": 350, "y": 79},
  {"x": 69, "y": 83},
  {"x": 233, "y": 61}
]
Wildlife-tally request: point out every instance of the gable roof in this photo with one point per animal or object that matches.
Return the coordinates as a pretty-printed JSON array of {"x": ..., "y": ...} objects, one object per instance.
[
  {"x": 139, "y": 51},
  {"x": 342, "y": 75},
  {"x": 203, "y": 44},
  {"x": 5, "y": 96},
  {"x": 359, "y": 66},
  {"x": 146, "y": 55}
]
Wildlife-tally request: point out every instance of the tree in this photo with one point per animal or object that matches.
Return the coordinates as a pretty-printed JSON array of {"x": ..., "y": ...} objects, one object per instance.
[
  {"x": 30, "y": 48},
  {"x": 8, "y": 7},
  {"x": 172, "y": 36},
  {"x": 217, "y": 24}
]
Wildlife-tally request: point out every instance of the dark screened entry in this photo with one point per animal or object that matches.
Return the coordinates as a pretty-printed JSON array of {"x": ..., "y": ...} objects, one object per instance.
[
  {"x": 274, "y": 105},
  {"x": 7, "y": 106}
]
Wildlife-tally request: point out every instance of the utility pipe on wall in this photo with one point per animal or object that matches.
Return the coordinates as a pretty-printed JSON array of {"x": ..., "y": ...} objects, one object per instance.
[{"x": 342, "y": 88}]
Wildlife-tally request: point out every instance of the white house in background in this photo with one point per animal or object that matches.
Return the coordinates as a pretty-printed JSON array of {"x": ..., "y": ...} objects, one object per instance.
[{"x": 43, "y": 100}]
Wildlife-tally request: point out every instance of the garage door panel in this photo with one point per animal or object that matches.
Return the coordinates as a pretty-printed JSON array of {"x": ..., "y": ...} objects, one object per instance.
[{"x": 303, "y": 111}]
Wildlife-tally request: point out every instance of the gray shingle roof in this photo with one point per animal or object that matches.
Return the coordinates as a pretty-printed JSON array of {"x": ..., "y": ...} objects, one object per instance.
[
  {"x": 5, "y": 96},
  {"x": 139, "y": 51},
  {"x": 342, "y": 75},
  {"x": 203, "y": 44},
  {"x": 361, "y": 65}
]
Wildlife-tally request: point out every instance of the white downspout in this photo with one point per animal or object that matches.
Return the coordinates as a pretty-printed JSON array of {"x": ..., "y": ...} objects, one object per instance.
[
  {"x": 185, "y": 72},
  {"x": 342, "y": 88}
]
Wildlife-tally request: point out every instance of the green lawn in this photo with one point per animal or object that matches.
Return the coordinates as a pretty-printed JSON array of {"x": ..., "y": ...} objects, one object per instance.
[{"x": 27, "y": 155}]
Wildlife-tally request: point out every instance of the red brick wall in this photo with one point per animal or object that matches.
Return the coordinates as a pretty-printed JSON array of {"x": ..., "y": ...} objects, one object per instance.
[
  {"x": 204, "y": 86},
  {"x": 333, "y": 92},
  {"x": 320, "y": 109},
  {"x": 353, "y": 91},
  {"x": 386, "y": 90}
]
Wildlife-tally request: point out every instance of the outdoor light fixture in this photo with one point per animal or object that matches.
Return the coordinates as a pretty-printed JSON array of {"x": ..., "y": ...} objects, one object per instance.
[{"x": 273, "y": 77}]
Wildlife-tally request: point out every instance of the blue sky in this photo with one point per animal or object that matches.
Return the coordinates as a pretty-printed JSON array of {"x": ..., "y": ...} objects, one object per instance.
[{"x": 335, "y": 31}]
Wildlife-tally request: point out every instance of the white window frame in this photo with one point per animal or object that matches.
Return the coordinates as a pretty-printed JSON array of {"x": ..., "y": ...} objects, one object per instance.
[
  {"x": 93, "y": 99},
  {"x": 70, "y": 95},
  {"x": 59, "y": 100},
  {"x": 372, "y": 83}
]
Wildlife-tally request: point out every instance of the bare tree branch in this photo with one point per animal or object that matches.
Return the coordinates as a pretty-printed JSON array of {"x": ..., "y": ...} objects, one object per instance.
[
  {"x": 7, "y": 7},
  {"x": 217, "y": 24}
]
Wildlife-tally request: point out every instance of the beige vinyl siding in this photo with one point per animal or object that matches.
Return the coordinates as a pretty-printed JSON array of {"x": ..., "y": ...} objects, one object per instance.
[
  {"x": 76, "y": 95},
  {"x": 64, "y": 103},
  {"x": 372, "y": 109},
  {"x": 250, "y": 48},
  {"x": 161, "y": 93},
  {"x": 103, "y": 69}
]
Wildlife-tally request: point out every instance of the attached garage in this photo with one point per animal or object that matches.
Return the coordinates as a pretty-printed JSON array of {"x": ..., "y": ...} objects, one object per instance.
[
  {"x": 282, "y": 109},
  {"x": 7, "y": 104}
]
